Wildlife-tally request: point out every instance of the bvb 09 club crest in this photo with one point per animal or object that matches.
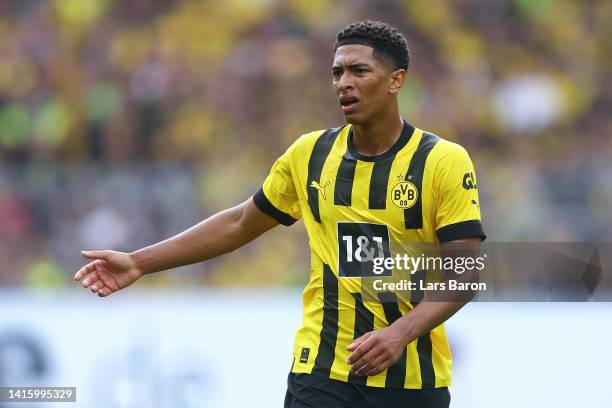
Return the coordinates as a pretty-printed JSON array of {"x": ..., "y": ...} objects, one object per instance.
[{"x": 404, "y": 194}]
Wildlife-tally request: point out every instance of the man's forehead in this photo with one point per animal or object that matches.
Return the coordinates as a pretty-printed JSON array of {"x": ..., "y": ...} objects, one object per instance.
[{"x": 353, "y": 54}]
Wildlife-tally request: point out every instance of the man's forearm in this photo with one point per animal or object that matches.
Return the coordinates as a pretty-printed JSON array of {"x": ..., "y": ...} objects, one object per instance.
[
  {"x": 426, "y": 316},
  {"x": 217, "y": 235},
  {"x": 439, "y": 305}
]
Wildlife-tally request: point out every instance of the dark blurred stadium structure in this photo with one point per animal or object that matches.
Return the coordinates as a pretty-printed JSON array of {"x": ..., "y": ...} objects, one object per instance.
[{"x": 123, "y": 122}]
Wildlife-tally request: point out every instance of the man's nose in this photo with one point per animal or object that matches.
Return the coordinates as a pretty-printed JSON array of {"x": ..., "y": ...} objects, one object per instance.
[{"x": 345, "y": 81}]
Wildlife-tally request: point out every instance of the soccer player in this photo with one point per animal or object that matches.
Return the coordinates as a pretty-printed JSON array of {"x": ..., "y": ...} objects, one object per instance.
[{"x": 376, "y": 179}]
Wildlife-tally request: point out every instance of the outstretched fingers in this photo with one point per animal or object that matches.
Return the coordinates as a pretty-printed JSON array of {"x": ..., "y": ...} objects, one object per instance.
[
  {"x": 97, "y": 285},
  {"x": 95, "y": 274},
  {"x": 90, "y": 279},
  {"x": 95, "y": 254},
  {"x": 108, "y": 281},
  {"x": 105, "y": 291},
  {"x": 88, "y": 269}
]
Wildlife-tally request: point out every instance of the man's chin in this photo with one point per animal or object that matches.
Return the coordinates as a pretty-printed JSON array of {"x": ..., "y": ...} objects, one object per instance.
[{"x": 352, "y": 119}]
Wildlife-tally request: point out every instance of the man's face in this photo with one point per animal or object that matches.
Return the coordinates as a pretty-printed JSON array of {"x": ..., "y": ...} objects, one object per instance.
[{"x": 361, "y": 82}]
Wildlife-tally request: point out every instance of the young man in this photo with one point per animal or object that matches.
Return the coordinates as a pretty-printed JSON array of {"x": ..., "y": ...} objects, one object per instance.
[{"x": 377, "y": 180}]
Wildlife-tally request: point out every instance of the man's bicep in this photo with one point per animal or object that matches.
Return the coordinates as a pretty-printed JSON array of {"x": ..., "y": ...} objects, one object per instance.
[
  {"x": 254, "y": 220},
  {"x": 471, "y": 242}
]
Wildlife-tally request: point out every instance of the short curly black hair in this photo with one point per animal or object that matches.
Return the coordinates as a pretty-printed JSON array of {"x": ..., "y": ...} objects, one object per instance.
[{"x": 386, "y": 41}]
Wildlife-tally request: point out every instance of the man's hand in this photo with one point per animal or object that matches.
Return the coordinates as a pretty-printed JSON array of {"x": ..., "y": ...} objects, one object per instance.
[
  {"x": 377, "y": 350},
  {"x": 109, "y": 272}
]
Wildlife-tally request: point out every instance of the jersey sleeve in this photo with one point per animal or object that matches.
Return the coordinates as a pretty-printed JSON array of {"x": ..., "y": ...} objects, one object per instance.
[
  {"x": 458, "y": 212},
  {"x": 278, "y": 197}
]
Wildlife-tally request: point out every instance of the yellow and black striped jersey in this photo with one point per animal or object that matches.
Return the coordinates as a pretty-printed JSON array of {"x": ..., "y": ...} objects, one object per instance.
[{"x": 422, "y": 190}]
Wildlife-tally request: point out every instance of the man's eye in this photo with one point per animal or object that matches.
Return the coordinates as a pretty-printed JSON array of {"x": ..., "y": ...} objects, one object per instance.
[
  {"x": 361, "y": 70},
  {"x": 336, "y": 74}
]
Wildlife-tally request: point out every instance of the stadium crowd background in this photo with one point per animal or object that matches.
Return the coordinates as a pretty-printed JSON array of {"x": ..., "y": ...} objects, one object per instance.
[{"x": 123, "y": 122}]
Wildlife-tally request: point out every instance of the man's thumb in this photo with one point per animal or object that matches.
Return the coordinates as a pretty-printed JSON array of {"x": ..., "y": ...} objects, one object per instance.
[{"x": 95, "y": 254}]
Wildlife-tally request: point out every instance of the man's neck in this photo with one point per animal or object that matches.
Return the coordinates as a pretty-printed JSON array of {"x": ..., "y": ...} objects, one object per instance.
[{"x": 375, "y": 138}]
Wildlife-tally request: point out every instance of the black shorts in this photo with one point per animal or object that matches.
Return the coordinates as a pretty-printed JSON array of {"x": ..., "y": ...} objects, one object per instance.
[{"x": 314, "y": 391}]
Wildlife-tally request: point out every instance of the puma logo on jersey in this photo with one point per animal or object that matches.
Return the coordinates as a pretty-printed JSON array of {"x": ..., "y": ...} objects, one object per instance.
[{"x": 318, "y": 187}]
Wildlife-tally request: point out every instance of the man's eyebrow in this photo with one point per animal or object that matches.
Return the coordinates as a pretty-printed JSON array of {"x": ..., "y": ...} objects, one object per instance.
[{"x": 352, "y": 66}]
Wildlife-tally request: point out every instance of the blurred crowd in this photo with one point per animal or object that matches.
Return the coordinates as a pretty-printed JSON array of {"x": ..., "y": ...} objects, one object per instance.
[{"x": 123, "y": 122}]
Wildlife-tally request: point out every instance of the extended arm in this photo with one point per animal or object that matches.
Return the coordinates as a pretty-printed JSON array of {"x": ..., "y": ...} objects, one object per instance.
[{"x": 219, "y": 234}]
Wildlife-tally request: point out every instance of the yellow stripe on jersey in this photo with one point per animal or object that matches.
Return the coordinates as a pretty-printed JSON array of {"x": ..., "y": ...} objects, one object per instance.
[
  {"x": 377, "y": 309},
  {"x": 423, "y": 190},
  {"x": 305, "y": 351},
  {"x": 441, "y": 355},
  {"x": 347, "y": 325},
  {"x": 413, "y": 369}
]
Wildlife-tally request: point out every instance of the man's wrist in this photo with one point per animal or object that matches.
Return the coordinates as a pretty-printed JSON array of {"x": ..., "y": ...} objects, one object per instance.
[
  {"x": 140, "y": 260},
  {"x": 408, "y": 327}
]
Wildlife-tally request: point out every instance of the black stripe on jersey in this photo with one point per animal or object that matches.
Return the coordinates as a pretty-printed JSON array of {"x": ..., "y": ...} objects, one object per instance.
[
  {"x": 344, "y": 180},
  {"x": 364, "y": 322},
  {"x": 262, "y": 202},
  {"x": 420, "y": 280},
  {"x": 396, "y": 373},
  {"x": 460, "y": 230},
  {"x": 329, "y": 331},
  {"x": 413, "y": 216},
  {"x": 381, "y": 170},
  {"x": 378, "y": 184},
  {"x": 320, "y": 151},
  {"x": 424, "y": 349}
]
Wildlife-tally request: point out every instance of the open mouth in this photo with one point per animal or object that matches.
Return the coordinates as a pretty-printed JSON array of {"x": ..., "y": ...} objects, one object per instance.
[{"x": 348, "y": 103}]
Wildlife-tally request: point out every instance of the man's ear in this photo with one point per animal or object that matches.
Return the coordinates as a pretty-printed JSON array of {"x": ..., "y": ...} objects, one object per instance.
[{"x": 398, "y": 78}]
